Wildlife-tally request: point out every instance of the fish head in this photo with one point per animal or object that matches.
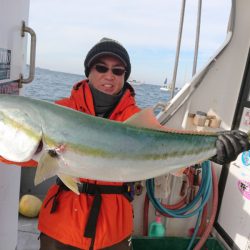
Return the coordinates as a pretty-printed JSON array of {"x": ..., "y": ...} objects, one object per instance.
[{"x": 20, "y": 134}]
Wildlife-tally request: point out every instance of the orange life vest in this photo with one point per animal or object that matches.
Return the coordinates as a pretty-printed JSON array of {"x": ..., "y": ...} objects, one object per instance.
[
  {"x": 115, "y": 219},
  {"x": 30, "y": 163}
]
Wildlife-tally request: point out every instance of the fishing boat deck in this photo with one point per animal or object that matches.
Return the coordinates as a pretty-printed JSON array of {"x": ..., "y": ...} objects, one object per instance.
[
  {"x": 27, "y": 234},
  {"x": 27, "y": 227}
]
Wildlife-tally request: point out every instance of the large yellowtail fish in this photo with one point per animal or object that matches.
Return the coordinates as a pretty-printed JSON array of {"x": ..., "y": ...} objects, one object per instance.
[{"x": 74, "y": 144}]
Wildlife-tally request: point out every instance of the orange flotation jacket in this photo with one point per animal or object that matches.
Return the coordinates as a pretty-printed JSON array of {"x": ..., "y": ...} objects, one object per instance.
[{"x": 64, "y": 215}]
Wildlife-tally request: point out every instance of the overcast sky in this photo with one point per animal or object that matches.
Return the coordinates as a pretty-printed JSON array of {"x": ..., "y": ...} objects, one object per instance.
[{"x": 66, "y": 30}]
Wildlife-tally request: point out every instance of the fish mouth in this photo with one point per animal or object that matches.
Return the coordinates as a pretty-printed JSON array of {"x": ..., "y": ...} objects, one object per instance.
[{"x": 39, "y": 147}]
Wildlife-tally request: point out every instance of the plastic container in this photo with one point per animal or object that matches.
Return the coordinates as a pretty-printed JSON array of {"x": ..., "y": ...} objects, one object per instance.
[
  {"x": 156, "y": 228},
  {"x": 214, "y": 122},
  {"x": 200, "y": 118}
]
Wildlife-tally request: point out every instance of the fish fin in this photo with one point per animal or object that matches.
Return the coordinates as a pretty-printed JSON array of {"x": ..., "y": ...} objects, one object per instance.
[
  {"x": 145, "y": 119},
  {"x": 70, "y": 182},
  {"x": 47, "y": 167}
]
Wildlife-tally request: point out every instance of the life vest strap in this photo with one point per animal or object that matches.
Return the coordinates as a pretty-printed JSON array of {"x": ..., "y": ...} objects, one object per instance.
[{"x": 95, "y": 190}]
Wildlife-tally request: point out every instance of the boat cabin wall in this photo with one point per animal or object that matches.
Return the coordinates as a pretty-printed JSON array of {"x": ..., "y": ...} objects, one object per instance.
[
  {"x": 12, "y": 44},
  {"x": 12, "y": 63},
  {"x": 218, "y": 92},
  {"x": 218, "y": 88}
]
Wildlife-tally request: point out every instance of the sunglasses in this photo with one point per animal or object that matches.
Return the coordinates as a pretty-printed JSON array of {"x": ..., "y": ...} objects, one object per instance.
[{"x": 103, "y": 69}]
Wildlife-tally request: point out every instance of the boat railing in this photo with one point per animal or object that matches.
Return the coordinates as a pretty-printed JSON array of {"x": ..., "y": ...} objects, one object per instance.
[
  {"x": 178, "y": 100},
  {"x": 181, "y": 23},
  {"x": 32, "y": 33}
]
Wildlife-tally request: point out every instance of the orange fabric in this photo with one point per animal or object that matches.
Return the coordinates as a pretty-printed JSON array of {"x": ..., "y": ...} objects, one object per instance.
[
  {"x": 30, "y": 163},
  {"x": 115, "y": 221}
]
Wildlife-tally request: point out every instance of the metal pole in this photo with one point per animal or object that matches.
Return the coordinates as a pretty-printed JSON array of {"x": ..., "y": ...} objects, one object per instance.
[
  {"x": 197, "y": 39},
  {"x": 178, "y": 47}
]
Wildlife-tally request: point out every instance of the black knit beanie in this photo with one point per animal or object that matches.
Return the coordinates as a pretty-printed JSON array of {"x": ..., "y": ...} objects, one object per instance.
[{"x": 107, "y": 46}]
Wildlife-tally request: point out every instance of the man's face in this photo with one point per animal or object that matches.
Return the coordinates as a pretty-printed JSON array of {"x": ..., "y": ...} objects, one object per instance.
[{"x": 108, "y": 82}]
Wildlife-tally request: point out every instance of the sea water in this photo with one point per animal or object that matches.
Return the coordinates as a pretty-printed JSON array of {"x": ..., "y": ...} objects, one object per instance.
[{"x": 52, "y": 85}]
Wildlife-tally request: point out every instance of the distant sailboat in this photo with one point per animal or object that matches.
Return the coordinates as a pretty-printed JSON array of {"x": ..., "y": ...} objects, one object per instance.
[
  {"x": 168, "y": 87},
  {"x": 165, "y": 86}
]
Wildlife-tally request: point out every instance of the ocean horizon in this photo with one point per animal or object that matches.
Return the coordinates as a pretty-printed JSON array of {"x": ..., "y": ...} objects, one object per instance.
[{"x": 52, "y": 85}]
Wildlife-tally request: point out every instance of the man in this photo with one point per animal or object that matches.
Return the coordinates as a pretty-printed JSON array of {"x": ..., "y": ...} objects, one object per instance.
[
  {"x": 91, "y": 220},
  {"x": 101, "y": 216}
]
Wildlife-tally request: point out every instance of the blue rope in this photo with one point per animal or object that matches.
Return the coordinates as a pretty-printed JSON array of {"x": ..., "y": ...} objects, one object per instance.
[
  {"x": 204, "y": 193},
  {"x": 201, "y": 197},
  {"x": 190, "y": 245}
]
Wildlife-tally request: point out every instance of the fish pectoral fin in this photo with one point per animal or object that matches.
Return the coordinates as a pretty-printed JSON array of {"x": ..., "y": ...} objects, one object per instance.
[
  {"x": 145, "y": 119},
  {"x": 70, "y": 182},
  {"x": 48, "y": 167}
]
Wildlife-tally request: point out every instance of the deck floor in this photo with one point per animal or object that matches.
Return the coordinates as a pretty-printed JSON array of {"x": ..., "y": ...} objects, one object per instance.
[{"x": 27, "y": 234}]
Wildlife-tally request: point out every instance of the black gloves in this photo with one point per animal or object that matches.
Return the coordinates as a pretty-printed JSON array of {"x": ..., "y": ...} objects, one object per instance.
[{"x": 229, "y": 145}]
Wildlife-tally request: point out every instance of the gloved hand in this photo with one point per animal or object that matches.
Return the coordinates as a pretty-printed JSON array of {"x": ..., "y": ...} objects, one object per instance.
[{"x": 229, "y": 145}]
